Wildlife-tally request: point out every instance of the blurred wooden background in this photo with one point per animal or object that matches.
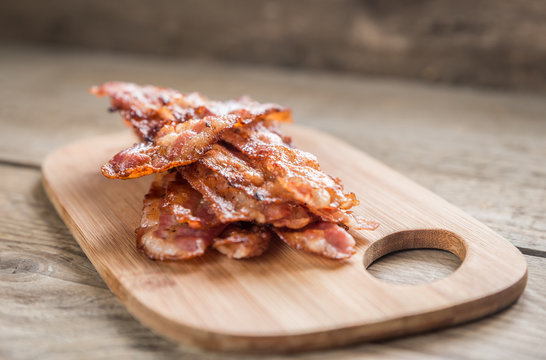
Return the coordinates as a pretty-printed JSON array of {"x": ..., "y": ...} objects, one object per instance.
[{"x": 489, "y": 43}]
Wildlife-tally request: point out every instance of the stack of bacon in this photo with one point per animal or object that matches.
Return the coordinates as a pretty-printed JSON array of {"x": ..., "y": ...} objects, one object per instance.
[{"x": 226, "y": 177}]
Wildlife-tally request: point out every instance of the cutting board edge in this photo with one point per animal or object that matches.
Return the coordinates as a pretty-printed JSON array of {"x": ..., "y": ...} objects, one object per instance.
[{"x": 324, "y": 338}]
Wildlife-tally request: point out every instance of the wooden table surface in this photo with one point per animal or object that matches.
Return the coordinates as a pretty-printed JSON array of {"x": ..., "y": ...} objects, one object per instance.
[{"x": 484, "y": 151}]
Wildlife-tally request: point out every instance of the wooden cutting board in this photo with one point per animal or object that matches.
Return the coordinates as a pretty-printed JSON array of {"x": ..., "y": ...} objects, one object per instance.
[{"x": 287, "y": 300}]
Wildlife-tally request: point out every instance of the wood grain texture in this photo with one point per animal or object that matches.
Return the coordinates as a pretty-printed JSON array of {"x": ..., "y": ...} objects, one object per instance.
[
  {"x": 287, "y": 300},
  {"x": 55, "y": 306}
]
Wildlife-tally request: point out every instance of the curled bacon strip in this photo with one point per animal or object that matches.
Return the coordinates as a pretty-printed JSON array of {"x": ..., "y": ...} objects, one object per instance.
[{"x": 175, "y": 145}]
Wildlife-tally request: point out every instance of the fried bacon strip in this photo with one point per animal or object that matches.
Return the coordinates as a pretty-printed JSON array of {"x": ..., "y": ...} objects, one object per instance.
[
  {"x": 322, "y": 238},
  {"x": 298, "y": 173},
  {"x": 232, "y": 204},
  {"x": 243, "y": 173},
  {"x": 176, "y": 128},
  {"x": 161, "y": 236},
  {"x": 243, "y": 240},
  {"x": 174, "y": 145},
  {"x": 149, "y": 108},
  {"x": 186, "y": 204},
  {"x": 238, "y": 171}
]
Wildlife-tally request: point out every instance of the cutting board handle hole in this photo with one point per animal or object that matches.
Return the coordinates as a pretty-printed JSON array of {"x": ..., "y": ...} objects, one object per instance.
[{"x": 415, "y": 256}]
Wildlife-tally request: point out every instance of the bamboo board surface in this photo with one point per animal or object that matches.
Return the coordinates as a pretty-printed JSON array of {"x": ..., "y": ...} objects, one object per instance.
[{"x": 287, "y": 300}]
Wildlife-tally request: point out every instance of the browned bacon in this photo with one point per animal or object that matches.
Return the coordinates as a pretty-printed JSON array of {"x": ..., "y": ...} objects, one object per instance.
[
  {"x": 322, "y": 238},
  {"x": 176, "y": 128},
  {"x": 234, "y": 167},
  {"x": 174, "y": 145},
  {"x": 243, "y": 240},
  {"x": 161, "y": 236},
  {"x": 241, "y": 172},
  {"x": 298, "y": 173},
  {"x": 149, "y": 108},
  {"x": 232, "y": 204},
  {"x": 186, "y": 204}
]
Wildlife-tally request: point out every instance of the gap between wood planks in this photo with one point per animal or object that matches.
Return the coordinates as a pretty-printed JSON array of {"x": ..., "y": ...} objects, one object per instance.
[
  {"x": 524, "y": 250},
  {"x": 532, "y": 252},
  {"x": 19, "y": 164}
]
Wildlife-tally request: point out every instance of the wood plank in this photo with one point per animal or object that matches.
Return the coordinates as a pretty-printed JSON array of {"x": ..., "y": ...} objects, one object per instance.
[
  {"x": 481, "y": 150},
  {"x": 89, "y": 321},
  {"x": 285, "y": 300}
]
